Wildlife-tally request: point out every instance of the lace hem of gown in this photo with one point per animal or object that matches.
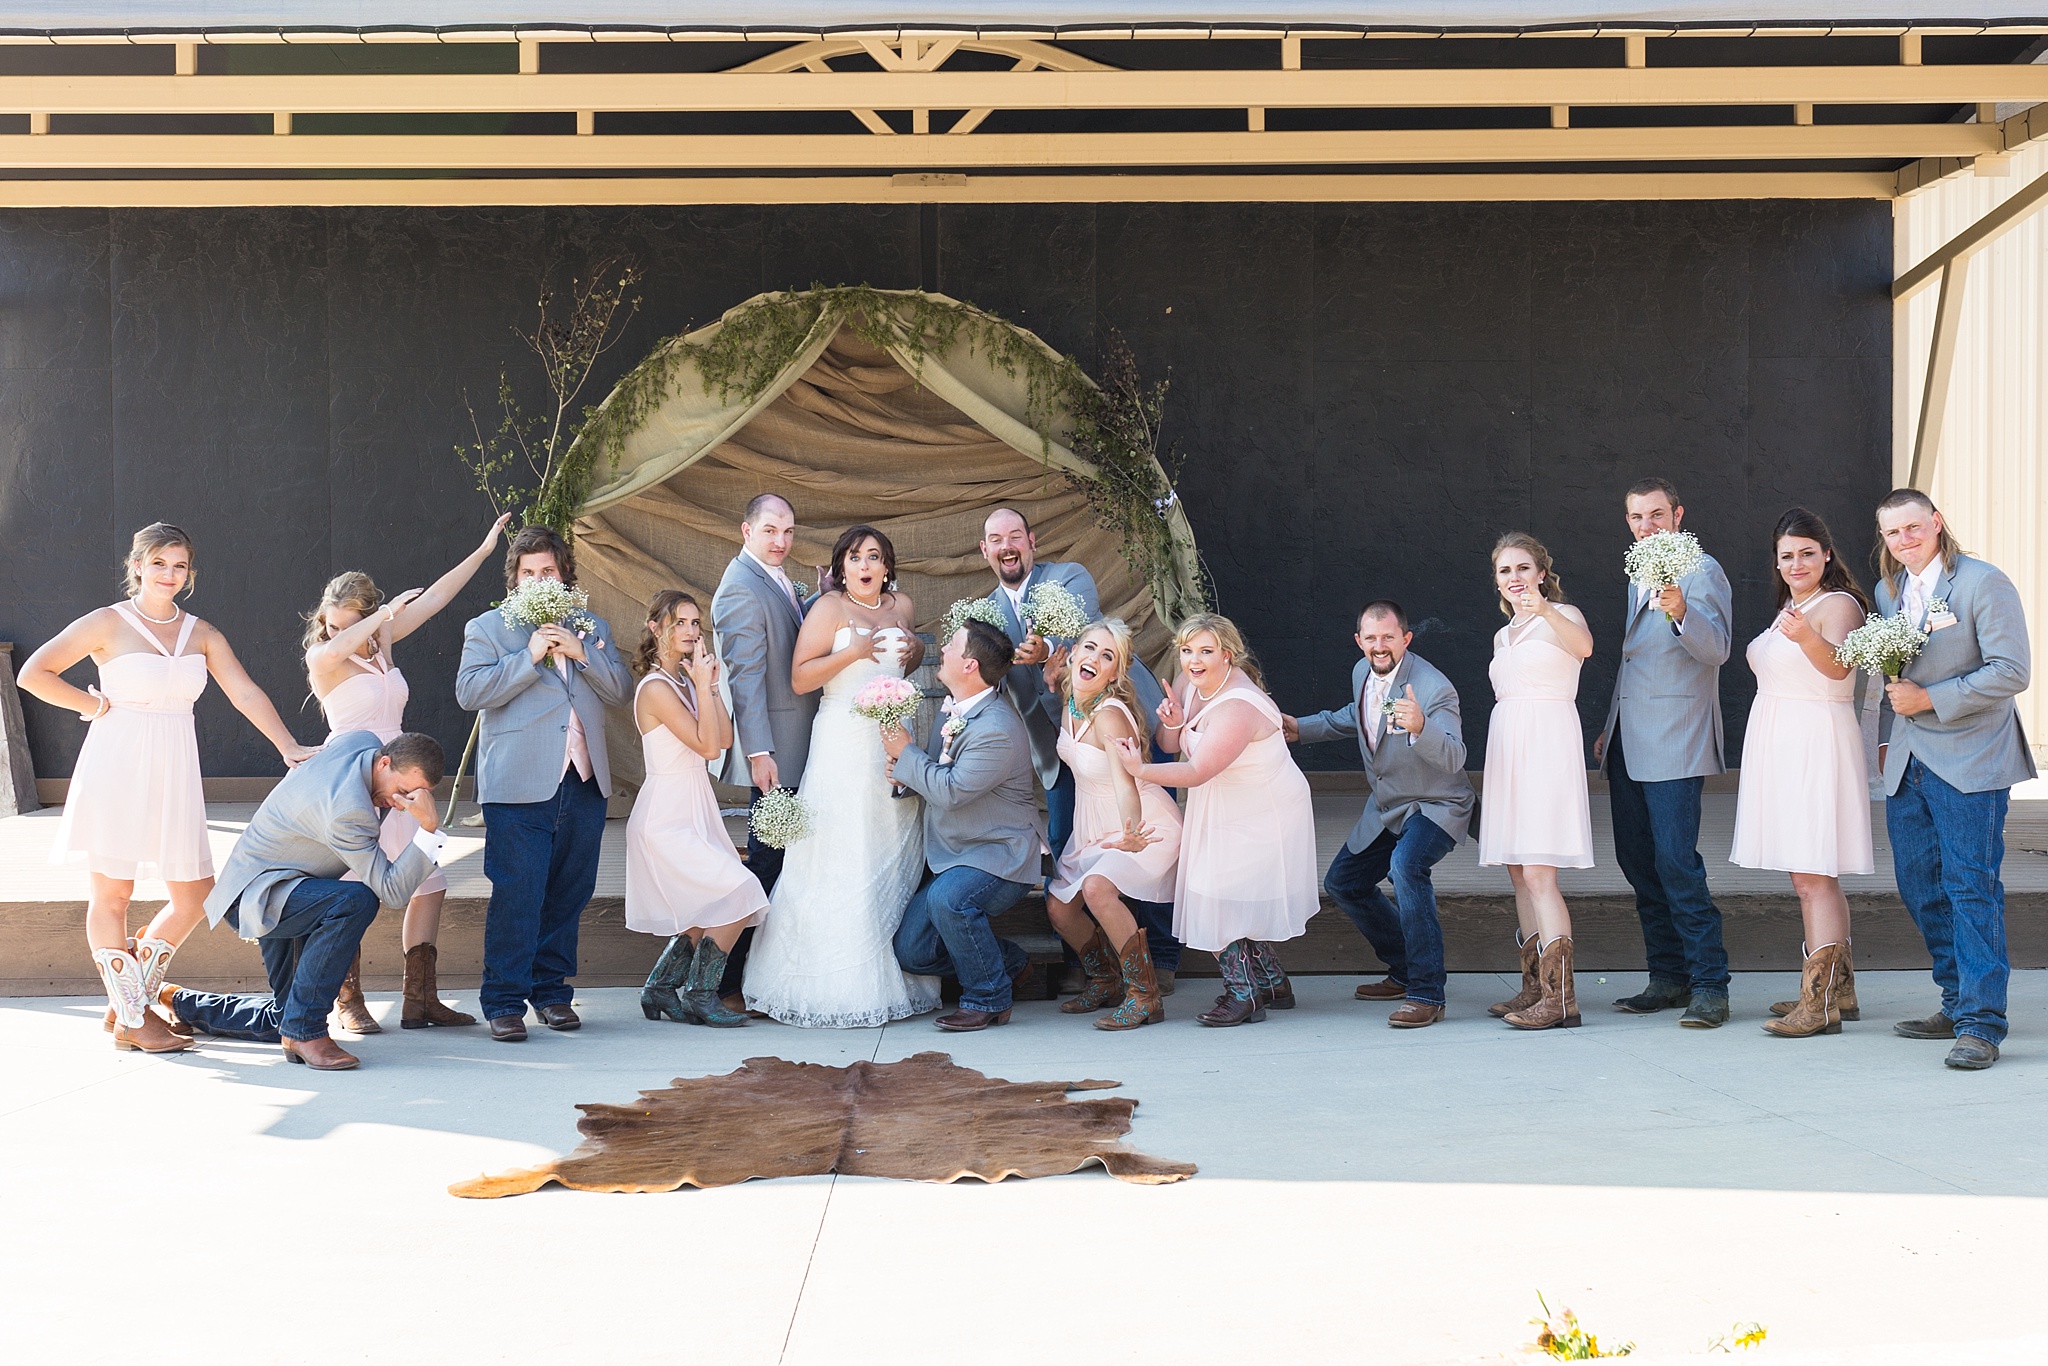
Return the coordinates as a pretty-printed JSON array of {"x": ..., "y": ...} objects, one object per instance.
[{"x": 858, "y": 1019}]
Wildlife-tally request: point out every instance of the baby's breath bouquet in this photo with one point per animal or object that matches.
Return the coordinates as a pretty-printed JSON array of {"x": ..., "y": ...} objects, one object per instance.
[
  {"x": 547, "y": 602},
  {"x": 780, "y": 818},
  {"x": 1881, "y": 645},
  {"x": 974, "y": 609},
  {"x": 1662, "y": 559},
  {"x": 1052, "y": 611}
]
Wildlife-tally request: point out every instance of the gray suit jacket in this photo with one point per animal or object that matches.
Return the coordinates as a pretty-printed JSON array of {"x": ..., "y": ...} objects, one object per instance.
[
  {"x": 526, "y": 707},
  {"x": 1025, "y": 686},
  {"x": 754, "y": 627},
  {"x": 979, "y": 808},
  {"x": 318, "y": 822},
  {"x": 1670, "y": 682},
  {"x": 1972, "y": 671},
  {"x": 1419, "y": 775}
]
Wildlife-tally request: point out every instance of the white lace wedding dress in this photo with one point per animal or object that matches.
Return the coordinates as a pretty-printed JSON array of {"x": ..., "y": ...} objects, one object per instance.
[{"x": 823, "y": 957}]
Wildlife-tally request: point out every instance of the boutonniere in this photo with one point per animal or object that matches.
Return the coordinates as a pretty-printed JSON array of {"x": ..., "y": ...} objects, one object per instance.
[
  {"x": 800, "y": 588},
  {"x": 952, "y": 729},
  {"x": 1387, "y": 705},
  {"x": 1938, "y": 607}
]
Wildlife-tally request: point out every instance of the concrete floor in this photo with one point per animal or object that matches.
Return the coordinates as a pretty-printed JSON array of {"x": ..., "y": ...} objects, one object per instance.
[{"x": 1365, "y": 1196}]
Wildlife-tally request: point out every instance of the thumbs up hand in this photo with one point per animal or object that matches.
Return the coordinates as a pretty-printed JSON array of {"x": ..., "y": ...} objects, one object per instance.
[{"x": 1408, "y": 713}]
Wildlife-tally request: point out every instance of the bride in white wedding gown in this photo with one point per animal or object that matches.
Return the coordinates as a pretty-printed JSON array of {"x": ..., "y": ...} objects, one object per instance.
[{"x": 824, "y": 956}]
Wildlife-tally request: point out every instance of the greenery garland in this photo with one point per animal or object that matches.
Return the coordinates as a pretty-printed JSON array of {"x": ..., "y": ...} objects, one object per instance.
[{"x": 1116, "y": 431}]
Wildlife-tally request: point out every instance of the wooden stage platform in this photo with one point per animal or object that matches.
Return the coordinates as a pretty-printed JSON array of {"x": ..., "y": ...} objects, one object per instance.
[{"x": 42, "y": 950}]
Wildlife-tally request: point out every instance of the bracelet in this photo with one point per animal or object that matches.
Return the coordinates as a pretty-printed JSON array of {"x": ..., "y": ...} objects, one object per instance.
[
  {"x": 390, "y": 613},
  {"x": 106, "y": 703},
  {"x": 1174, "y": 726}
]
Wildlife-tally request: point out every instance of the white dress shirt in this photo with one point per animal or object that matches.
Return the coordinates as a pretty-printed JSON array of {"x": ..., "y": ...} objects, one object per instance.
[{"x": 1920, "y": 592}]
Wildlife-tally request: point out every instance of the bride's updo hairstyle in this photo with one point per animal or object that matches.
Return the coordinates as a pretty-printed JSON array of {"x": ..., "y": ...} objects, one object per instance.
[
  {"x": 354, "y": 590},
  {"x": 1228, "y": 638},
  {"x": 152, "y": 538},
  {"x": 1119, "y": 686},
  {"x": 1553, "y": 589},
  {"x": 661, "y": 615},
  {"x": 849, "y": 541}
]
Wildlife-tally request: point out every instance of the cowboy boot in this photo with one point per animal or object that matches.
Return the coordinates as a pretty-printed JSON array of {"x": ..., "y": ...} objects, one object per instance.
[
  {"x": 1142, "y": 1003},
  {"x": 153, "y": 957},
  {"x": 700, "y": 992},
  {"x": 1275, "y": 991},
  {"x": 1558, "y": 1007},
  {"x": 136, "y": 1026},
  {"x": 1531, "y": 991},
  {"x": 1815, "y": 1012},
  {"x": 423, "y": 1005},
  {"x": 1105, "y": 985},
  {"x": 1845, "y": 987},
  {"x": 1241, "y": 1002},
  {"x": 349, "y": 1003},
  {"x": 659, "y": 997}
]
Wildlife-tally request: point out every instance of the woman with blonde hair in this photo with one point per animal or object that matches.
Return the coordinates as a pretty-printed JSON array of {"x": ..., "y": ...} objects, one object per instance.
[
  {"x": 1247, "y": 876},
  {"x": 136, "y": 807},
  {"x": 684, "y": 879},
  {"x": 350, "y": 667},
  {"x": 1534, "y": 815},
  {"x": 1126, "y": 839}
]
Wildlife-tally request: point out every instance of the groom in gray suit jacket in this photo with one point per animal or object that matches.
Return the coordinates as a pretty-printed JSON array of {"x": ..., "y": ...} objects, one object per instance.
[
  {"x": 1661, "y": 740},
  {"x": 1952, "y": 748},
  {"x": 284, "y": 887},
  {"x": 981, "y": 831},
  {"x": 543, "y": 777},
  {"x": 1411, "y": 738},
  {"x": 755, "y": 616}
]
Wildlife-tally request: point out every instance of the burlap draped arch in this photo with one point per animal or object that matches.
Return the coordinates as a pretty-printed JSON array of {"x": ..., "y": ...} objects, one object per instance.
[{"x": 920, "y": 446}]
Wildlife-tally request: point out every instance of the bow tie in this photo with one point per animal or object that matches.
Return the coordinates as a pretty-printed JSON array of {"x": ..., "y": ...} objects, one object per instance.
[{"x": 950, "y": 707}]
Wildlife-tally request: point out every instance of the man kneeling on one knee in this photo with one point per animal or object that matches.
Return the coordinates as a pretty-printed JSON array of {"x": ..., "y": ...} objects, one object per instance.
[
  {"x": 1404, "y": 715},
  {"x": 305, "y": 881}
]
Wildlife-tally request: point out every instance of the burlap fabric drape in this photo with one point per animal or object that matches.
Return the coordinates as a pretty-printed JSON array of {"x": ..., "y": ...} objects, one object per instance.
[{"x": 853, "y": 439}]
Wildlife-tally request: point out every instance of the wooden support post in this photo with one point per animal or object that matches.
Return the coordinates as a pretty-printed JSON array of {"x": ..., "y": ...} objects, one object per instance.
[
  {"x": 529, "y": 57},
  {"x": 1802, "y": 114},
  {"x": 281, "y": 125},
  {"x": 1909, "y": 49},
  {"x": 1255, "y": 120},
  {"x": 1987, "y": 113},
  {"x": 1290, "y": 54},
  {"x": 39, "y": 122},
  {"x": 920, "y": 120},
  {"x": 586, "y": 123},
  {"x": 1560, "y": 116},
  {"x": 1635, "y": 49},
  {"x": 187, "y": 59},
  {"x": 1941, "y": 364}
]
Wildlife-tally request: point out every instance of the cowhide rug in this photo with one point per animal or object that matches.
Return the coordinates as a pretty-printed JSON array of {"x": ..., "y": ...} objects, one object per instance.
[{"x": 921, "y": 1119}]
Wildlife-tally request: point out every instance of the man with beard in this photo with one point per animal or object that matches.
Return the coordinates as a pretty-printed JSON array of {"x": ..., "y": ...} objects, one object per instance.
[
  {"x": 1010, "y": 548},
  {"x": 1404, "y": 715}
]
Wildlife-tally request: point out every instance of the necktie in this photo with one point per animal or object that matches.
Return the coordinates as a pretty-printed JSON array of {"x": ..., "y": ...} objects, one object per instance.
[
  {"x": 1915, "y": 606},
  {"x": 1376, "y": 721}
]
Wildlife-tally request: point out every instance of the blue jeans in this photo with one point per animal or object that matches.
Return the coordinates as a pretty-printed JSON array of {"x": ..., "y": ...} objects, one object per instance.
[
  {"x": 1657, "y": 844},
  {"x": 1404, "y": 933},
  {"x": 945, "y": 933},
  {"x": 765, "y": 863},
  {"x": 1059, "y": 811},
  {"x": 305, "y": 957},
  {"x": 541, "y": 858},
  {"x": 1946, "y": 848}
]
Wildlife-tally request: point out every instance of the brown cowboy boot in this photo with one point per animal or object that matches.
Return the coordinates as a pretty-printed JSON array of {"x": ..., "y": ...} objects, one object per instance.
[
  {"x": 1531, "y": 991},
  {"x": 349, "y": 1003},
  {"x": 1559, "y": 1006},
  {"x": 1142, "y": 1004},
  {"x": 423, "y": 1005},
  {"x": 1816, "y": 1011},
  {"x": 1105, "y": 985},
  {"x": 1845, "y": 987}
]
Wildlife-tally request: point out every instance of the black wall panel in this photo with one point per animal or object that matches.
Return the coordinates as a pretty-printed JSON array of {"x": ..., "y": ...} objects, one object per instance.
[{"x": 1368, "y": 395}]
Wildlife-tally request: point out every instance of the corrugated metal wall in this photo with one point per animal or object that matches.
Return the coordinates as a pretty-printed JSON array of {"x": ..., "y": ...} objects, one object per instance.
[{"x": 1988, "y": 477}]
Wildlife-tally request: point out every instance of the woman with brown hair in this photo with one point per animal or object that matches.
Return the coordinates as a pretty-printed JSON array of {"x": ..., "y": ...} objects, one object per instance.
[
  {"x": 684, "y": 879},
  {"x": 350, "y": 667},
  {"x": 1126, "y": 840},
  {"x": 1534, "y": 814},
  {"x": 1804, "y": 804},
  {"x": 1247, "y": 875},
  {"x": 136, "y": 807}
]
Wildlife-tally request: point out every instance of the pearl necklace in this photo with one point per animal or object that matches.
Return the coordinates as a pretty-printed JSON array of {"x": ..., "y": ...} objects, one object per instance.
[
  {"x": 874, "y": 606},
  {"x": 1211, "y": 696},
  {"x": 176, "y": 612},
  {"x": 1798, "y": 603}
]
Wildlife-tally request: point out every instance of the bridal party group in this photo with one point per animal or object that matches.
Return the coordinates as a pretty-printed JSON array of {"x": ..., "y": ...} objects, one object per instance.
[{"x": 1154, "y": 818}]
